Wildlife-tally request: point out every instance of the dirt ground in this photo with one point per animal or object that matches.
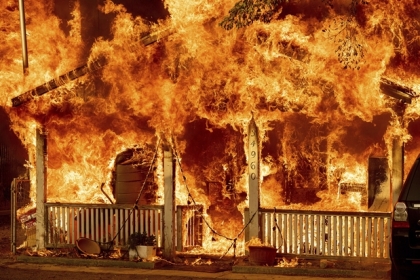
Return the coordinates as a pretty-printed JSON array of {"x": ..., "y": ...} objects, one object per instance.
[{"x": 5, "y": 237}]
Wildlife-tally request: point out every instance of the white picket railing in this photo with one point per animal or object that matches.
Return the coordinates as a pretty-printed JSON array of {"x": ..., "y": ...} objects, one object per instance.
[
  {"x": 103, "y": 223},
  {"x": 325, "y": 233}
]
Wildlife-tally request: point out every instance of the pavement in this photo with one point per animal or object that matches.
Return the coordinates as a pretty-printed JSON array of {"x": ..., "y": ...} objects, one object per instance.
[{"x": 311, "y": 269}]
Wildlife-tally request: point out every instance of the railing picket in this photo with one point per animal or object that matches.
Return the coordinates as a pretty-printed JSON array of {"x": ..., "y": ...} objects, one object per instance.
[
  {"x": 131, "y": 223},
  {"x": 320, "y": 236},
  {"x": 279, "y": 236},
  {"x": 369, "y": 237},
  {"x": 269, "y": 228},
  {"x": 92, "y": 224},
  {"x": 299, "y": 242},
  {"x": 340, "y": 236},
  {"x": 346, "y": 236},
  {"x": 142, "y": 221},
  {"x": 136, "y": 220},
  {"x": 103, "y": 225},
  {"x": 66, "y": 231},
  {"x": 115, "y": 234},
  {"x": 155, "y": 222},
  {"x": 329, "y": 235},
  {"x": 352, "y": 229},
  {"x": 387, "y": 237},
  {"x": 358, "y": 223},
  {"x": 295, "y": 236},
  {"x": 304, "y": 234},
  {"x": 363, "y": 237},
  {"x": 313, "y": 232},
  {"x": 381, "y": 237},
  {"x": 286, "y": 236},
  {"x": 109, "y": 227}
]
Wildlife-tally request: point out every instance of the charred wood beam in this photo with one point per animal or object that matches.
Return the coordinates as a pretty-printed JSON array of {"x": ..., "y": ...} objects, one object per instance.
[
  {"x": 55, "y": 83},
  {"x": 396, "y": 90},
  {"x": 77, "y": 73}
]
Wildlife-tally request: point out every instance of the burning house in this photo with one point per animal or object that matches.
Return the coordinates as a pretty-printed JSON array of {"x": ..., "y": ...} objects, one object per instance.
[{"x": 211, "y": 122}]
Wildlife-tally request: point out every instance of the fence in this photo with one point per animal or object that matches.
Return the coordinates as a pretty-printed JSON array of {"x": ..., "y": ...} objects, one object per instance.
[
  {"x": 104, "y": 223},
  {"x": 325, "y": 233}
]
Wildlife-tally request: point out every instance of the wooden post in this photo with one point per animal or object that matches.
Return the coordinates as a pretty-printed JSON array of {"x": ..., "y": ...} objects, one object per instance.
[
  {"x": 397, "y": 169},
  {"x": 40, "y": 188},
  {"x": 379, "y": 184},
  {"x": 254, "y": 179},
  {"x": 169, "y": 206}
]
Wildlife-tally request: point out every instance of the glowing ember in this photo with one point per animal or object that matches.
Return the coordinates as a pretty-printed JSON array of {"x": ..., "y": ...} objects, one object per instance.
[{"x": 195, "y": 86}]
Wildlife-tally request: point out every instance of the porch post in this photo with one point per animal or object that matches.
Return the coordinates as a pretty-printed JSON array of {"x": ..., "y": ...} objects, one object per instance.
[
  {"x": 169, "y": 206},
  {"x": 40, "y": 153},
  {"x": 397, "y": 169},
  {"x": 254, "y": 179}
]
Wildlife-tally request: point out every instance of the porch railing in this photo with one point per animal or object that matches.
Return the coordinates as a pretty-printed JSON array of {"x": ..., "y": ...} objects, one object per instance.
[
  {"x": 325, "y": 233},
  {"x": 104, "y": 223}
]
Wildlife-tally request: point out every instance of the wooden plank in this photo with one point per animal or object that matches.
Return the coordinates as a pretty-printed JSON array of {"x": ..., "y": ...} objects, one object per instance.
[
  {"x": 169, "y": 206},
  {"x": 68, "y": 226},
  {"x": 131, "y": 222},
  {"x": 312, "y": 233},
  {"x": 121, "y": 227},
  {"x": 358, "y": 233},
  {"x": 246, "y": 219},
  {"x": 369, "y": 237},
  {"x": 286, "y": 235},
  {"x": 331, "y": 213},
  {"x": 179, "y": 236},
  {"x": 280, "y": 241},
  {"x": 295, "y": 235},
  {"x": 363, "y": 237},
  {"x": 308, "y": 233},
  {"x": 117, "y": 227},
  {"x": 334, "y": 235},
  {"x": 82, "y": 222},
  {"x": 388, "y": 237},
  {"x": 381, "y": 238},
  {"x": 269, "y": 232},
  {"x": 329, "y": 232},
  {"x": 320, "y": 237},
  {"x": 97, "y": 224},
  {"x": 347, "y": 235},
  {"x": 104, "y": 224},
  {"x": 397, "y": 172},
  {"x": 92, "y": 224},
  {"x": 126, "y": 224},
  {"x": 352, "y": 231},
  {"x": 108, "y": 230},
  {"x": 63, "y": 226},
  {"x": 375, "y": 237},
  {"x": 340, "y": 236},
  {"x": 41, "y": 197},
  {"x": 88, "y": 222}
]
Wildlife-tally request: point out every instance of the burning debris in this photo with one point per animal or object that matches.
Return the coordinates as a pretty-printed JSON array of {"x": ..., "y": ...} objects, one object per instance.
[{"x": 284, "y": 262}]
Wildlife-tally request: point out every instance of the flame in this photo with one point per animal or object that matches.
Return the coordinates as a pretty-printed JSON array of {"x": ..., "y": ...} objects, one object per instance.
[{"x": 198, "y": 86}]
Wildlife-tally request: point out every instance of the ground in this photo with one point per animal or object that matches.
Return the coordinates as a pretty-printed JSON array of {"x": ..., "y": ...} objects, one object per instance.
[{"x": 5, "y": 237}]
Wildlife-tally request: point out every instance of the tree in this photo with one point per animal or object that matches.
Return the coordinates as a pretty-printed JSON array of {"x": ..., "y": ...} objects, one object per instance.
[{"x": 346, "y": 31}]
